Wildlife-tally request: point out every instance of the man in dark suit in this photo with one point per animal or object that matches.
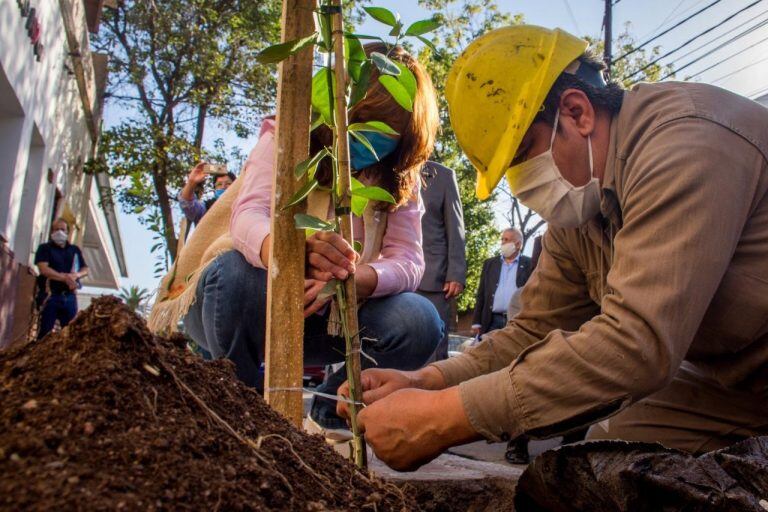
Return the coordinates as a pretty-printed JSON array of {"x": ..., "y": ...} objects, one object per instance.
[
  {"x": 442, "y": 229},
  {"x": 501, "y": 277}
]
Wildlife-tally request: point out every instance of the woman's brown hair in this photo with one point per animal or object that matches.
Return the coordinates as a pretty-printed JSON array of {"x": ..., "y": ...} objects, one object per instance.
[{"x": 397, "y": 172}]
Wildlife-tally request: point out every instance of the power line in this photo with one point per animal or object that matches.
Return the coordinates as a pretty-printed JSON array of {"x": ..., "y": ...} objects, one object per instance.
[
  {"x": 691, "y": 52},
  {"x": 694, "y": 38},
  {"x": 715, "y": 64},
  {"x": 738, "y": 70},
  {"x": 649, "y": 41},
  {"x": 669, "y": 16}
]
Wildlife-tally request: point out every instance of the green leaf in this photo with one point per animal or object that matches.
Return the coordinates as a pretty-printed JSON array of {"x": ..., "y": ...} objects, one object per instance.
[
  {"x": 363, "y": 36},
  {"x": 329, "y": 290},
  {"x": 382, "y": 15},
  {"x": 398, "y": 91},
  {"x": 356, "y": 56},
  {"x": 303, "y": 192},
  {"x": 407, "y": 80},
  {"x": 358, "y": 203},
  {"x": 358, "y": 246},
  {"x": 385, "y": 64},
  {"x": 375, "y": 193},
  {"x": 311, "y": 163},
  {"x": 282, "y": 51},
  {"x": 317, "y": 120},
  {"x": 372, "y": 126},
  {"x": 326, "y": 39},
  {"x": 320, "y": 95},
  {"x": 304, "y": 221},
  {"x": 364, "y": 140},
  {"x": 360, "y": 88},
  {"x": 421, "y": 27},
  {"x": 427, "y": 42},
  {"x": 396, "y": 29}
]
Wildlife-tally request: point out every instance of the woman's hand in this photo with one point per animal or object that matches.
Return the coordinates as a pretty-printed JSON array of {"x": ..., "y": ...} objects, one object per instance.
[
  {"x": 329, "y": 256},
  {"x": 196, "y": 175},
  {"x": 313, "y": 303}
]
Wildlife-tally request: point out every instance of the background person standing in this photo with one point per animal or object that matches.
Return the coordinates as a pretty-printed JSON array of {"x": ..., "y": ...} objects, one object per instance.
[
  {"x": 61, "y": 266},
  {"x": 501, "y": 277},
  {"x": 194, "y": 208},
  {"x": 442, "y": 229}
]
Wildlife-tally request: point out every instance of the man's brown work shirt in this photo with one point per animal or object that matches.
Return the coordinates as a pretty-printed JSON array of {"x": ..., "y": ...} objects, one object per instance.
[{"x": 675, "y": 268}]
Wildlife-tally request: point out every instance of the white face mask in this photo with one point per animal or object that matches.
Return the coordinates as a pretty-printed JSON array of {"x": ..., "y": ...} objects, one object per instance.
[
  {"x": 540, "y": 186},
  {"x": 59, "y": 237},
  {"x": 508, "y": 250}
]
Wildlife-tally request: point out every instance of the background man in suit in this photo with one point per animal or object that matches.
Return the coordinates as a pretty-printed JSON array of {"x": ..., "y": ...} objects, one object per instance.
[
  {"x": 443, "y": 241},
  {"x": 501, "y": 277}
]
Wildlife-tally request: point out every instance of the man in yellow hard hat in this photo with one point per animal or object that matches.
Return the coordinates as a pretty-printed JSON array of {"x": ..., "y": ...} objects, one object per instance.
[{"x": 647, "y": 316}]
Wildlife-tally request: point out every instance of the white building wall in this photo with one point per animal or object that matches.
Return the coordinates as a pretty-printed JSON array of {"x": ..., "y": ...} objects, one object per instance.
[
  {"x": 49, "y": 110},
  {"x": 52, "y": 129}
]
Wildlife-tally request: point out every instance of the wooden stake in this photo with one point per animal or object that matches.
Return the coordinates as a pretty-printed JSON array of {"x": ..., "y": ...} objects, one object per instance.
[
  {"x": 345, "y": 179},
  {"x": 284, "y": 357}
]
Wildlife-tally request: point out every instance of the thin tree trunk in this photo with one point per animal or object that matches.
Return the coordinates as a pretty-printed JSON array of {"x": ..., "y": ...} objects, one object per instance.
[
  {"x": 164, "y": 201},
  {"x": 202, "y": 113},
  {"x": 351, "y": 330}
]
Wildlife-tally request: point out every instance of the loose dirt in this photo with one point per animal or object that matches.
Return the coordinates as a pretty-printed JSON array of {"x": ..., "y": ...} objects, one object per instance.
[{"x": 106, "y": 416}]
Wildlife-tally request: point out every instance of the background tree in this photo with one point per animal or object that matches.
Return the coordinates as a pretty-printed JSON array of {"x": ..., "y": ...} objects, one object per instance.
[
  {"x": 463, "y": 21},
  {"x": 135, "y": 298},
  {"x": 175, "y": 66}
]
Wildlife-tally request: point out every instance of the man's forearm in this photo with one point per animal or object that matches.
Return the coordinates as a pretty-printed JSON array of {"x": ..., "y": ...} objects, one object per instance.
[
  {"x": 429, "y": 378},
  {"x": 52, "y": 274}
]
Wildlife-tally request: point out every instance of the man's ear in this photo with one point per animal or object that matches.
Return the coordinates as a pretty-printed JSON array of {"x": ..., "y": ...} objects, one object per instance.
[{"x": 575, "y": 104}]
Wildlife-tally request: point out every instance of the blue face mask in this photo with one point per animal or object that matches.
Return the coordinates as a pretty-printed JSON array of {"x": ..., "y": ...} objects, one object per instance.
[
  {"x": 361, "y": 157},
  {"x": 217, "y": 193}
]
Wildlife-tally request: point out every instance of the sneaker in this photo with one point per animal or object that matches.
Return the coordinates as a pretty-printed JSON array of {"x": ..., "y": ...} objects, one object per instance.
[{"x": 517, "y": 451}]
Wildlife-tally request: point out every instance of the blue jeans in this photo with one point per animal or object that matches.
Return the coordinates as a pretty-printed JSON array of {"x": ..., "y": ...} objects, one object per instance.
[
  {"x": 57, "y": 307},
  {"x": 228, "y": 320}
]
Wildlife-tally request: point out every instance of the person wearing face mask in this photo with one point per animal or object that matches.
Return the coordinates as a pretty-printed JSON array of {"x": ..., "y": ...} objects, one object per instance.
[
  {"x": 500, "y": 279},
  {"x": 61, "y": 265},
  {"x": 645, "y": 319},
  {"x": 224, "y": 303},
  {"x": 193, "y": 208}
]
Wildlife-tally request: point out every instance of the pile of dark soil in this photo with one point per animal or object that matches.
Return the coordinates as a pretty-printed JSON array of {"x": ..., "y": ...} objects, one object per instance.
[
  {"x": 106, "y": 416},
  {"x": 615, "y": 476}
]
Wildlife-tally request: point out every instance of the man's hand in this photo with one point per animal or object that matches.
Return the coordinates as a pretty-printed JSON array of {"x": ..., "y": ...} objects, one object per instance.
[
  {"x": 452, "y": 289},
  {"x": 71, "y": 283},
  {"x": 378, "y": 383},
  {"x": 475, "y": 330},
  {"x": 196, "y": 175},
  {"x": 410, "y": 427},
  {"x": 312, "y": 304},
  {"x": 329, "y": 256}
]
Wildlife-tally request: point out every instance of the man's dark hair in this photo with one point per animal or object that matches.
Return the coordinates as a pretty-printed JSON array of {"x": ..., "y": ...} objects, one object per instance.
[{"x": 608, "y": 97}]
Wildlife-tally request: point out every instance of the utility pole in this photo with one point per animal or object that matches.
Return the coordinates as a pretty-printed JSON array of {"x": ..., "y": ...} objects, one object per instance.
[{"x": 608, "y": 23}]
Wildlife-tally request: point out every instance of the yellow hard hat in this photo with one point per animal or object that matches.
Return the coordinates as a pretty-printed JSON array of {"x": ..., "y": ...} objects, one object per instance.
[{"x": 496, "y": 88}]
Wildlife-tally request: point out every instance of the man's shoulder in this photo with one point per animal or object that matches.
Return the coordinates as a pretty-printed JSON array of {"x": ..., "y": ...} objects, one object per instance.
[
  {"x": 490, "y": 261},
  {"x": 525, "y": 260},
  {"x": 439, "y": 170}
]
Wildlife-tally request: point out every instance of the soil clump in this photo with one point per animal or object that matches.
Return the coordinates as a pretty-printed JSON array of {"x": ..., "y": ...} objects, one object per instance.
[{"x": 106, "y": 416}]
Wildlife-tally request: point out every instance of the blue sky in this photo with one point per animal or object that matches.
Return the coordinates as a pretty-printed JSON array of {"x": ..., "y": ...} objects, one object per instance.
[{"x": 745, "y": 73}]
